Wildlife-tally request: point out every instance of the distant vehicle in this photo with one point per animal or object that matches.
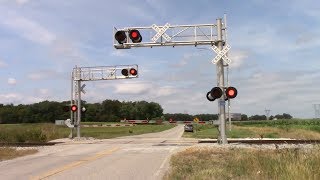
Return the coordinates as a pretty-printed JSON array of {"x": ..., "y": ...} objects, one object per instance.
[{"x": 188, "y": 128}]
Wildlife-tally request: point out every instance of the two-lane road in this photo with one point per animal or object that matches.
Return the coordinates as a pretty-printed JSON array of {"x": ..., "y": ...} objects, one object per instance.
[{"x": 140, "y": 157}]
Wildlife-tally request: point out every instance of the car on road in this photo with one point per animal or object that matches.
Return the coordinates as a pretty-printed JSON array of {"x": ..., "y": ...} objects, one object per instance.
[{"x": 188, "y": 128}]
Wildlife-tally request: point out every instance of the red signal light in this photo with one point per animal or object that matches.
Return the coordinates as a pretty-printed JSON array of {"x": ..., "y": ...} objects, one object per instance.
[
  {"x": 135, "y": 36},
  {"x": 74, "y": 108},
  {"x": 231, "y": 92},
  {"x": 133, "y": 72}
]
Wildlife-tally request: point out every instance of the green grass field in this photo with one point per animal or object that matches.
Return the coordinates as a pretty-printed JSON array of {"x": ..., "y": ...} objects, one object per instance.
[
  {"x": 236, "y": 163},
  {"x": 45, "y": 132},
  {"x": 297, "y": 129}
]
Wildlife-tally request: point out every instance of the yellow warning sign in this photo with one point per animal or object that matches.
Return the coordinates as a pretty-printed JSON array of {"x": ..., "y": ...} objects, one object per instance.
[{"x": 196, "y": 120}]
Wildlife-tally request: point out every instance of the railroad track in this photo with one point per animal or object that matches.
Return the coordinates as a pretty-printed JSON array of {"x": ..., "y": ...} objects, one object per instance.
[{"x": 266, "y": 141}]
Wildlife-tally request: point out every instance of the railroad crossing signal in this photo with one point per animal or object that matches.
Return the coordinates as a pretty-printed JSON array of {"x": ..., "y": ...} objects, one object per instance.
[
  {"x": 161, "y": 32},
  {"x": 221, "y": 54},
  {"x": 134, "y": 35},
  {"x": 216, "y": 93},
  {"x": 129, "y": 72}
]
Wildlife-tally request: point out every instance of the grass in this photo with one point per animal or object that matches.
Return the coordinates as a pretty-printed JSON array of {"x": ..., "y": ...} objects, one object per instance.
[
  {"x": 218, "y": 163},
  {"x": 111, "y": 132},
  {"x": 31, "y": 132},
  {"x": 10, "y": 133},
  {"x": 210, "y": 131},
  {"x": 295, "y": 129},
  {"x": 10, "y": 153}
]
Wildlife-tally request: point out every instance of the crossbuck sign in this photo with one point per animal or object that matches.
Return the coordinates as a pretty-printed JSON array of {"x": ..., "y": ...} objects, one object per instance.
[
  {"x": 161, "y": 32},
  {"x": 221, "y": 54}
]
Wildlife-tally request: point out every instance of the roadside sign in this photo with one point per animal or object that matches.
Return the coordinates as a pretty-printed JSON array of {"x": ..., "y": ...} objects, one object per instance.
[{"x": 196, "y": 120}]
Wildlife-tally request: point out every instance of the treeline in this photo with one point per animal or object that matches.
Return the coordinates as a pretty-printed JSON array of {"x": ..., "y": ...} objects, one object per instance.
[
  {"x": 108, "y": 110},
  {"x": 264, "y": 117},
  {"x": 207, "y": 117},
  {"x": 188, "y": 117}
]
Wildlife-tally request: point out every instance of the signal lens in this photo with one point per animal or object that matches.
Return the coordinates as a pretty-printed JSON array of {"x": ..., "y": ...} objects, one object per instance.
[
  {"x": 135, "y": 36},
  {"x": 121, "y": 37},
  {"x": 216, "y": 92},
  {"x": 124, "y": 72},
  {"x": 133, "y": 72},
  {"x": 231, "y": 92},
  {"x": 74, "y": 108}
]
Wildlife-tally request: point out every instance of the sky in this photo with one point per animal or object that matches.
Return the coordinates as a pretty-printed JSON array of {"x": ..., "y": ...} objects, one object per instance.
[{"x": 274, "y": 53}]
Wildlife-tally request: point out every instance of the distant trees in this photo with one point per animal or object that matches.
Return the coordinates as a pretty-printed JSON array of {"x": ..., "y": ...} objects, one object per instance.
[
  {"x": 244, "y": 117},
  {"x": 108, "y": 110},
  {"x": 263, "y": 117},
  {"x": 188, "y": 117},
  {"x": 283, "y": 116}
]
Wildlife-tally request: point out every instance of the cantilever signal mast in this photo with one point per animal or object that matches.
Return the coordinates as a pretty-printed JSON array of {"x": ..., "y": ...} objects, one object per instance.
[
  {"x": 96, "y": 73},
  {"x": 213, "y": 35}
]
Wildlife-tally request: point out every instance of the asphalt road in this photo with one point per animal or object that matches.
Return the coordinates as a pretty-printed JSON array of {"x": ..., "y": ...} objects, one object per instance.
[{"x": 133, "y": 157}]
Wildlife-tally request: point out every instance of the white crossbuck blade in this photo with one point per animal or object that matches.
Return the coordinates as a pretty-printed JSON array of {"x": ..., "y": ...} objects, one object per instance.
[
  {"x": 221, "y": 54},
  {"x": 161, "y": 32}
]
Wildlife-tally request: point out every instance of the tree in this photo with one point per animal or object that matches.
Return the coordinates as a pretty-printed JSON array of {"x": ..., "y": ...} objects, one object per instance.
[
  {"x": 244, "y": 117},
  {"x": 286, "y": 116}
]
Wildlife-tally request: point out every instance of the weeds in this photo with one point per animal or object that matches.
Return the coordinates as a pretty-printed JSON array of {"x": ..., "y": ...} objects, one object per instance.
[
  {"x": 213, "y": 163},
  {"x": 10, "y": 153}
]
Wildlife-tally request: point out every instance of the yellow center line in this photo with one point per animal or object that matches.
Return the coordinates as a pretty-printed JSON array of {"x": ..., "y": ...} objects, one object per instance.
[{"x": 76, "y": 163}]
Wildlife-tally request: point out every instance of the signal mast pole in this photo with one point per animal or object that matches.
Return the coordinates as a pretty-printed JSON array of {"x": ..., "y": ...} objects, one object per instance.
[{"x": 220, "y": 83}]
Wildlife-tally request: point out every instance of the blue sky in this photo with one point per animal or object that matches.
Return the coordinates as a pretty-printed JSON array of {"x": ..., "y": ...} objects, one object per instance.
[{"x": 274, "y": 53}]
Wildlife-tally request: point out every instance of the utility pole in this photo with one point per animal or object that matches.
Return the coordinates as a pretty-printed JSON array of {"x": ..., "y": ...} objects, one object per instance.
[
  {"x": 79, "y": 108},
  {"x": 316, "y": 110},
  {"x": 267, "y": 111},
  {"x": 220, "y": 83}
]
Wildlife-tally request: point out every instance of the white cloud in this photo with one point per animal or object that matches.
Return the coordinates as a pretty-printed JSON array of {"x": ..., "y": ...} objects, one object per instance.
[
  {"x": 43, "y": 91},
  {"x": 12, "y": 81},
  {"x": 238, "y": 58},
  {"x": 164, "y": 91},
  {"x": 44, "y": 74},
  {"x": 16, "y": 98},
  {"x": 22, "y": 2},
  {"x": 119, "y": 53},
  {"x": 3, "y": 64},
  {"x": 26, "y": 28},
  {"x": 132, "y": 88}
]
